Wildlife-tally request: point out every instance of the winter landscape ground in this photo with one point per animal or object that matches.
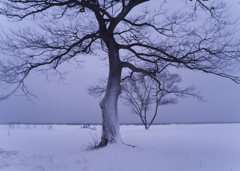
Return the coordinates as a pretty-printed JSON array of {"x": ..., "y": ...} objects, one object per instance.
[{"x": 207, "y": 147}]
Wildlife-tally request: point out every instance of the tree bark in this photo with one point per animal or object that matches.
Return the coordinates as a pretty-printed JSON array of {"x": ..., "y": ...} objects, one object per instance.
[{"x": 109, "y": 104}]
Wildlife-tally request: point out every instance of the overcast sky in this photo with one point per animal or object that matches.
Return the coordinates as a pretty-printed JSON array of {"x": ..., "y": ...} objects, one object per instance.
[{"x": 69, "y": 102}]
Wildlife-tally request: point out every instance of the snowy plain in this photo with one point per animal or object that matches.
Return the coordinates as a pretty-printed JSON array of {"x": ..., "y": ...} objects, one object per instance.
[{"x": 207, "y": 147}]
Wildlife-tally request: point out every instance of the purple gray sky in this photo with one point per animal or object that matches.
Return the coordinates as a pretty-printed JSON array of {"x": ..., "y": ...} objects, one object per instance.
[{"x": 69, "y": 103}]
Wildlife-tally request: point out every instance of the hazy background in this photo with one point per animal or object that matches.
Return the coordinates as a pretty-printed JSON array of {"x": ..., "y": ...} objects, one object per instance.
[{"x": 68, "y": 102}]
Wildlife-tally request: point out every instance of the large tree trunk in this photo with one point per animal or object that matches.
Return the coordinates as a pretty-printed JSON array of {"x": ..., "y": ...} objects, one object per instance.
[{"x": 109, "y": 104}]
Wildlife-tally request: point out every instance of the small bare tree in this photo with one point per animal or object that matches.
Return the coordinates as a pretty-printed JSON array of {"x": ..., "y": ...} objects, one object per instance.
[{"x": 140, "y": 93}]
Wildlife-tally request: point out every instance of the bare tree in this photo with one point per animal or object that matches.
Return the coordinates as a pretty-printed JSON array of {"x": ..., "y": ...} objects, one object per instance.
[
  {"x": 151, "y": 37},
  {"x": 140, "y": 93}
]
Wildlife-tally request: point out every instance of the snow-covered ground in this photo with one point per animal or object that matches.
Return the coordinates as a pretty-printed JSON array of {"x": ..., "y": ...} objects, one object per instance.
[{"x": 213, "y": 147}]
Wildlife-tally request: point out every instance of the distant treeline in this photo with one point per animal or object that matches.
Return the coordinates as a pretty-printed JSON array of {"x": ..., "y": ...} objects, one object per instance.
[{"x": 172, "y": 123}]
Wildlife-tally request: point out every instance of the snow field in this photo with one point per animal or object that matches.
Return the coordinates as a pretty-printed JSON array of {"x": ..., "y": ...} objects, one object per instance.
[{"x": 210, "y": 147}]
